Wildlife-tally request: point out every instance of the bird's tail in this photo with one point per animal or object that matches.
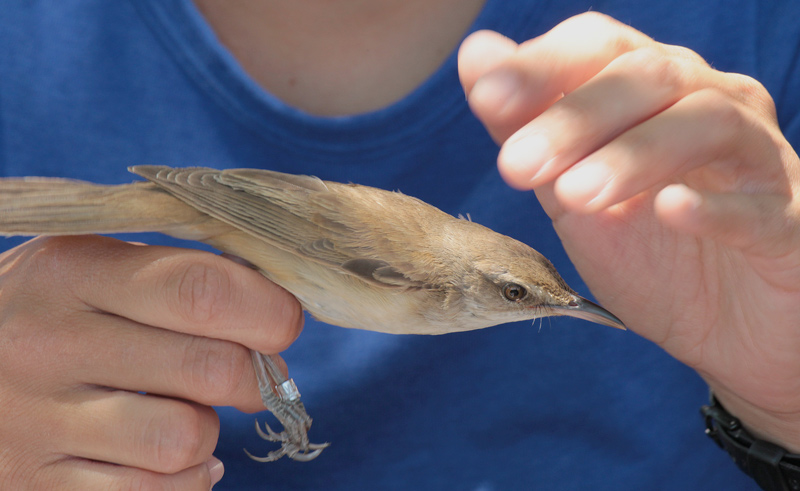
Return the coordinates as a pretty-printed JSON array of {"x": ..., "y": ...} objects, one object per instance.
[{"x": 54, "y": 206}]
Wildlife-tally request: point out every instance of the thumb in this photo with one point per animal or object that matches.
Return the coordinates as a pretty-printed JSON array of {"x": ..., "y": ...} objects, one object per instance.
[
  {"x": 489, "y": 88},
  {"x": 480, "y": 53}
]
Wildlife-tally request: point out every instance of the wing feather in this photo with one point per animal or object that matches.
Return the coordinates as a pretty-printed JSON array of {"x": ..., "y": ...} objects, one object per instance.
[{"x": 300, "y": 214}]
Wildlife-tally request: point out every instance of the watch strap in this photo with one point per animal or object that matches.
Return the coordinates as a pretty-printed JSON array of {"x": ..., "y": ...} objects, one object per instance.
[{"x": 772, "y": 467}]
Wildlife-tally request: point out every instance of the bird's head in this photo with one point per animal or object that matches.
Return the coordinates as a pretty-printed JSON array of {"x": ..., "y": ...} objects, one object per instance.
[{"x": 513, "y": 282}]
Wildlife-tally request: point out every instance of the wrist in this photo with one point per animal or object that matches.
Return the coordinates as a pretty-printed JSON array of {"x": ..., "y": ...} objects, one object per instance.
[
  {"x": 779, "y": 428},
  {"x": 773, "y": 467}
]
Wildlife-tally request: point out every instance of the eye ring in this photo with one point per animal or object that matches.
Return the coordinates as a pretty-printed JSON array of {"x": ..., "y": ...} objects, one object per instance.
[{"x": 514, "y": 292}]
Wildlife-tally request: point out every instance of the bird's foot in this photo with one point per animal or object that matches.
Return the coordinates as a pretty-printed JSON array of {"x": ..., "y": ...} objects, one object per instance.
[
  {"x": 281, "y": 396},
  {"x": 303, "y": 452}
]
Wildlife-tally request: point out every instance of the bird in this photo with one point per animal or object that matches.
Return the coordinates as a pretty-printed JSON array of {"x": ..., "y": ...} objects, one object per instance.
[{"x": 354, "y": 256}]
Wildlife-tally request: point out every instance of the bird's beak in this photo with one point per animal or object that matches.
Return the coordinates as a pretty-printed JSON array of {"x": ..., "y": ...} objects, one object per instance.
[{"x": 590, "y": 311}]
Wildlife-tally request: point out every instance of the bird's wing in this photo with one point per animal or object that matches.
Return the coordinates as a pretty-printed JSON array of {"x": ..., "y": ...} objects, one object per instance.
[{"x": 300, "y": 214}]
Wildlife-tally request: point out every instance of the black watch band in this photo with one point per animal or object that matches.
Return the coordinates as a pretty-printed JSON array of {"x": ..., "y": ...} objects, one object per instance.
[{"x": 772, "y": 467}]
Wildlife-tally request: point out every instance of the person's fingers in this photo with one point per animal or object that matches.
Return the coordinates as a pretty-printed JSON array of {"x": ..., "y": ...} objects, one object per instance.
[
  {"x": 480, "y": 53},
  {"x": 523, "y": 84},
  {"x": 135, "y": 430},
  {"x": 72, "y": 345},
  {"x": 596, "y": 112},
  {"x": 590, "y": 87},
  {"x": 87, "y": 475},
  {"x": 210, "y": 371},
  {"x": 86, "y": 313},
  {"x": 182, "y": 290},
  {"x": 667, "y": 148},
  {"x": 759, "y": 224}
]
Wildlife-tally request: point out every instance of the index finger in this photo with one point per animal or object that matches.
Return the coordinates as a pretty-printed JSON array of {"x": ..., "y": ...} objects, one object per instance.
[
  {"x": 543, "y": 69},
  {"x": 182, "y": 290}
]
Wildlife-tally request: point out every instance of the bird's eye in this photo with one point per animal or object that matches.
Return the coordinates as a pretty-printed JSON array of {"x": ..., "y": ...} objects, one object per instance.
[{"x": 514, "y": 292}]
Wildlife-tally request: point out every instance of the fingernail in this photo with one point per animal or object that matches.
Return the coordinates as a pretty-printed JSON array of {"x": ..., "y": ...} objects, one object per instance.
[
  {"x": 215, "y": 470},
  {"x": 495, "y": 90},
  {"x": 526, "y": 156},
  {"x": 584, "y": 184}
]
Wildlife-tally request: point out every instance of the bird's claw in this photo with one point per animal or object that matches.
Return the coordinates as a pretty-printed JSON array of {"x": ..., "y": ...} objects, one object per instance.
[
  {"x": 270, "y": 435},
  {"x": 300, "y": 451},
  {"x": 290, "y": 412}
]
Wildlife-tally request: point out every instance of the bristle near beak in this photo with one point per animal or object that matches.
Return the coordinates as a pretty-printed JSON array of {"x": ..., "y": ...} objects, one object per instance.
[{"x": 590, "y": 311}]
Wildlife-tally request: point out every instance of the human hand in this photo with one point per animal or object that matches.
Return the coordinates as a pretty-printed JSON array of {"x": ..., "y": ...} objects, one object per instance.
[
  {"x": 674, "y": 193},
  {"x": 111, "y": 355}
]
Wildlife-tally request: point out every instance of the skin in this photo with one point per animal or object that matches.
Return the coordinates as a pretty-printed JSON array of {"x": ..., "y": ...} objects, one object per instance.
[
  {"x": 88, "y": 322},
  {"x": 709, "y": 269},
  {"x": 202, "y": 312},
  {"x": 344, "y": 57},
  {"x": 673, "y": 190}
]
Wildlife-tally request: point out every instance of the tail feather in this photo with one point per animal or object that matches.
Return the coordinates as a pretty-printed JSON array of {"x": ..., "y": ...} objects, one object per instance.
[{"x": 54, "y": 206}]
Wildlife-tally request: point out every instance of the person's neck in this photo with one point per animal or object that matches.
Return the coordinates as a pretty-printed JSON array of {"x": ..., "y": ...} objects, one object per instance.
[{"x": 343, "y": 57}]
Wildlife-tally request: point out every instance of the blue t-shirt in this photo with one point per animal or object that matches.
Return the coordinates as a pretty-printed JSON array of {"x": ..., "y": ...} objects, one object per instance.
[{"x": 89, "y": 87}]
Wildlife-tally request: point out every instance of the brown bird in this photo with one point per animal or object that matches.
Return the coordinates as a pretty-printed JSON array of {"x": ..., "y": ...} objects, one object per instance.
[{"x": 354, "y": 256}]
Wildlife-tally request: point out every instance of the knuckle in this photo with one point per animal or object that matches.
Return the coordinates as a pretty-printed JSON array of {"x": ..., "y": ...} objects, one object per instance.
[
  {"x": 215, "y": 368},
  {"x": 27, "y": 262},
  {"x": 42, "y": 262},
  {"x": 685, "y": 54},
  {"x": 198, "y": 291},
  {"x": 70, "y": 249},
  {"x": 180, "y": 438},
  {"x": 593, "y": 20},
  {"x": 612, "y": 35},
  {"x": 724, "y": 114},
  {"x": 659, "y": 69},
  {"x": 752, "y": 93}
]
